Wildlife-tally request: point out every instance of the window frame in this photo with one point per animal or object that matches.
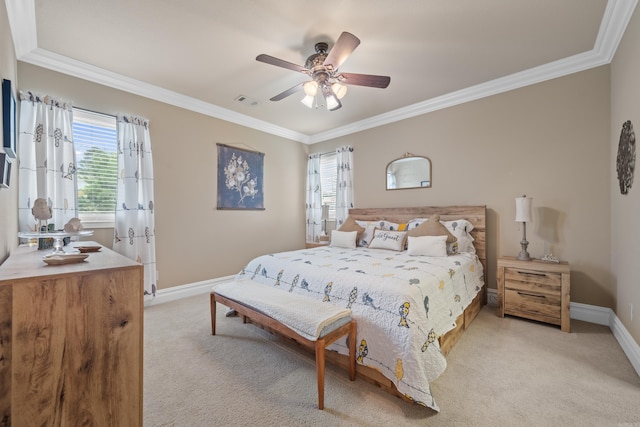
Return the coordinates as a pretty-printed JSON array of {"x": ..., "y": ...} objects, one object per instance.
[{"x": 96, "y": 219}]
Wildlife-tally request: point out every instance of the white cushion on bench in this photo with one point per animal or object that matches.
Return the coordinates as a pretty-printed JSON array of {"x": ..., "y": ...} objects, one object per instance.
[{"x": 308, "y": 317}]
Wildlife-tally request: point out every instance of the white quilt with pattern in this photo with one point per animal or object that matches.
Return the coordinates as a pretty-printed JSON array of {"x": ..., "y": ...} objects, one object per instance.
[{"x": 402, "y": 303}]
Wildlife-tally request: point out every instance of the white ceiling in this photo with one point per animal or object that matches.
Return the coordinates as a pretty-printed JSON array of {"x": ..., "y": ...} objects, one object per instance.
[{"x": 200, "y": 54}]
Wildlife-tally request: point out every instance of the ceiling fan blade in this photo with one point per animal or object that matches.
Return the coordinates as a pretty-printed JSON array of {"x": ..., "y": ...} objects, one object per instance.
[
  {"x": 288, "y": 92},
  {"x": 364, "y": 80},
  {"x": 267, "y": 59},
  {"x": 345, "y": 44}
]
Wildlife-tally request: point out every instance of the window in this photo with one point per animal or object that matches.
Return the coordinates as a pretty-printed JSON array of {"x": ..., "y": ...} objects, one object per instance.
[
  {"x": 328, "y": 181},
  {"x": 95, "y": 140}
]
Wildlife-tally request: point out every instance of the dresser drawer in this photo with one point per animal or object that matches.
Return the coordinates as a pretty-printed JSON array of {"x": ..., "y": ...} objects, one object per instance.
[{"x": 533, "y": 282}]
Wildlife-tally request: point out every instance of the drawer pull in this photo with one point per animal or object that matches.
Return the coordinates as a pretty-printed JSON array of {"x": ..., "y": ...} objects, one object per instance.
[
  {"x": 526, "y": 294},
  {"x": 531, "y": 273}
]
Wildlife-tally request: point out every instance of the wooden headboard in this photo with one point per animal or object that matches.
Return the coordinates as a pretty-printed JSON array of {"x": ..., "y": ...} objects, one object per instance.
[{"x": 476, "y": 215}]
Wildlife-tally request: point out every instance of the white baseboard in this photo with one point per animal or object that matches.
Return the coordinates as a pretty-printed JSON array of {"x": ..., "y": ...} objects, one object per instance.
[
  {"x": 600, "y": 316},
  {"x": 185, "y": 291}
]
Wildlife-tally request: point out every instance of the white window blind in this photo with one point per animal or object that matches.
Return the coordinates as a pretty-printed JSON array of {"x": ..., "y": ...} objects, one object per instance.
[
  {"x": 95, "y": 140},
  {"x": 328, "y": 181}
]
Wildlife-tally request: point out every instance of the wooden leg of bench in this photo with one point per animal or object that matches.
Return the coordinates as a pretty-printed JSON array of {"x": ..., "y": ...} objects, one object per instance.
[
  {"x": 320, "y": 371},
  {"x": 213, "y": 314},
  {"x": 352, "y": 351}
]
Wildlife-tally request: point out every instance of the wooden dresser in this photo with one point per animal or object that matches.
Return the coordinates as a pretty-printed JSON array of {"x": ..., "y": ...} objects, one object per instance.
[
  {"x": 71, "y": 340},
  {"x": 535, "y": 290}
]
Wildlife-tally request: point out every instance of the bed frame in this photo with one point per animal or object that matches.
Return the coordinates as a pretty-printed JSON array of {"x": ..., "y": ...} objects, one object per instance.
[{"x": 475, "y": 215}]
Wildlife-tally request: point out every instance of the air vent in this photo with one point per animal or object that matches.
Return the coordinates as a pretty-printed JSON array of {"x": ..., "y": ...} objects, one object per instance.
[{"x": 247, "y": 101}]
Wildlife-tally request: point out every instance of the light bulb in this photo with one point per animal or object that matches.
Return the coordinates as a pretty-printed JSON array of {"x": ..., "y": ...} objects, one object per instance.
[
  {"x": 311, "y": 88},
  {"x": 339, "y": 90}
]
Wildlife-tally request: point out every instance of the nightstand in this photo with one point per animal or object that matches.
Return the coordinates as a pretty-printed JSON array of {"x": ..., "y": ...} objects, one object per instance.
[{"x": 535, "y": 289}]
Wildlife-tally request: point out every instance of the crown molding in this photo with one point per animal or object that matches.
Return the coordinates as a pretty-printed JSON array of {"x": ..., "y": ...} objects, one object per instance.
[
  {"x": 60, "y": 63},
  {"x": 22, "y": 20}
]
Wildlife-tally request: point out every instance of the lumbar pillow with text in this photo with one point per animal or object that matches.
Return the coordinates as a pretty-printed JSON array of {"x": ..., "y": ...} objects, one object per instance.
[
  {"x": 388, "y": 239},
  {"x": 427, "y": 245},
  {"x": 343, "y": 239}
]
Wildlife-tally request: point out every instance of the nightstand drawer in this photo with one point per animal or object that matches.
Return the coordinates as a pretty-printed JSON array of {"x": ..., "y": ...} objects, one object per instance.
[
  {"x": 533, "y": 305},
  {"x": 535, "y": 282}
]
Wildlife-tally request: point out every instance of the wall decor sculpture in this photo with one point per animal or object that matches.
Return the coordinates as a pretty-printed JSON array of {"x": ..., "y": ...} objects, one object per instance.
[
  {"x": 240, "y": 178},
  {"x": 626, "y": 161}
]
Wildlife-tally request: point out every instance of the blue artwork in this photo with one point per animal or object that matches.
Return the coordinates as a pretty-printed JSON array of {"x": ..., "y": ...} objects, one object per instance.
[{"x": 240, "y": 178}]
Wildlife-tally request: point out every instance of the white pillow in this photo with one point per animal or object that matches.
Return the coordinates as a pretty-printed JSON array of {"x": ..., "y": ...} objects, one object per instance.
[
  {"x": 428, "y": 245},
  {"x": 461, "y": 228},
  {"x": 343, "y": 239},
  {"x": 388, "y": 239}
]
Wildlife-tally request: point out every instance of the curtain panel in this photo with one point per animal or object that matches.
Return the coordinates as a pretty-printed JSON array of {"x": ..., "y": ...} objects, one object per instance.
[
  {"x": 313, "y": 206},
  {"x": 344, "y": 184},
  {"x": 47, "y": 168},
  {"x": 134, "y": 232}
]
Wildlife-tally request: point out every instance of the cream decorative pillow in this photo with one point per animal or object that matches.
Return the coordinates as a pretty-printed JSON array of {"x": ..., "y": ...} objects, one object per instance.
[
  {"x": 427, "y": 245},
  {"x": 388, "y": 239},
  {"x": 343, "y": 239}
]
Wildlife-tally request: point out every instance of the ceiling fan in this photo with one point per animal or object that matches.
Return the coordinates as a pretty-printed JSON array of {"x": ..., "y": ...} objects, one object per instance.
[{"x": 322, "y": 67}]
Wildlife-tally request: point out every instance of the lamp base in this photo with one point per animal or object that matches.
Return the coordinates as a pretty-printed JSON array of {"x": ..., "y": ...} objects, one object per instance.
[{"x": 524, "y": 256}]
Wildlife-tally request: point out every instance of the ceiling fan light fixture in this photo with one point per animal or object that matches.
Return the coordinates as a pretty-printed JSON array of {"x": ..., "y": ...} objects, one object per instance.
[
  {"x": 311, "y": 88},
  {"x": 308, "y": 100},
  {"x": 339, "y": 90},
  {"x": 332, "y": 102}
]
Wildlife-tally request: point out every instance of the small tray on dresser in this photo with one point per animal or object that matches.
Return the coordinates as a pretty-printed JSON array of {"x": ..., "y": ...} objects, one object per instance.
[
  {"x": 61, "y": 259},
  {"x": 87, "y": 249}
]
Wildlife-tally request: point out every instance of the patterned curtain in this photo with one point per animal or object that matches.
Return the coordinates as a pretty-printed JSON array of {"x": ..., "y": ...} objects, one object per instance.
[
  {"x": 344, "y": 190},
  {"x": 134, "y": 233},
  {"x": 47, "y": 160},
  {"x": 314, "y": 199}
]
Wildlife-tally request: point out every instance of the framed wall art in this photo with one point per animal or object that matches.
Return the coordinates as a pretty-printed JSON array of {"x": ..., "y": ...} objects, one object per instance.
[
  {"x": 240, "y": 178},
  {"x": 5, "y": 170},
  {"x": 9, "y": 127}
]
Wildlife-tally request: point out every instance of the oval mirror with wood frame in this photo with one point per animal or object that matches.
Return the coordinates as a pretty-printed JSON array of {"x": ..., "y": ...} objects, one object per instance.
[{"x": 409, "y": 171}]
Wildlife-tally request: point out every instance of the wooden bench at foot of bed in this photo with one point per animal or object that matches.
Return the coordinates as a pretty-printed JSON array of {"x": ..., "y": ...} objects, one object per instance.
[{"x": 339, "y": 326}]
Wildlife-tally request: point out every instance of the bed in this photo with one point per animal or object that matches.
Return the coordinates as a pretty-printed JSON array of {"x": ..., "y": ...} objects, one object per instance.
[{"x": 410, "y": 309}]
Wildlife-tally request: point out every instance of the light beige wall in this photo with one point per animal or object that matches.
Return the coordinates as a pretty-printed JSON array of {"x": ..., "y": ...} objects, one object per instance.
[
  {"x": 195, "y": 241},
  {"x": 8, "y": 196},
  {"x": 548, "y": 141},
  {"x": 625, "y": 209}
]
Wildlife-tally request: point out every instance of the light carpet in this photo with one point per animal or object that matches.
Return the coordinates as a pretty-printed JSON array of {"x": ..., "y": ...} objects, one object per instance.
[{"x": 503, "y": 372}]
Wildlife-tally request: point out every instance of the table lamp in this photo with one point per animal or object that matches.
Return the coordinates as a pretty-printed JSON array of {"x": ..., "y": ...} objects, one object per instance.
[{"x": 523, "y": 215}]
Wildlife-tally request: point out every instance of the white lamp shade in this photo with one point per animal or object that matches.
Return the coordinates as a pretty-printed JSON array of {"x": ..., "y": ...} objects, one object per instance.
[
  {"x": 308, "y": 101},
  {"x": 325, "y": 212},
  {"x": 523, "y": 209},
  {"x": 332, "y": 102}
]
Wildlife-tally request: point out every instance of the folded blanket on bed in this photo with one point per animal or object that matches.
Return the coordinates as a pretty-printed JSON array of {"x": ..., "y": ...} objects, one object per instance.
[{"x": 308, "y": 317}]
